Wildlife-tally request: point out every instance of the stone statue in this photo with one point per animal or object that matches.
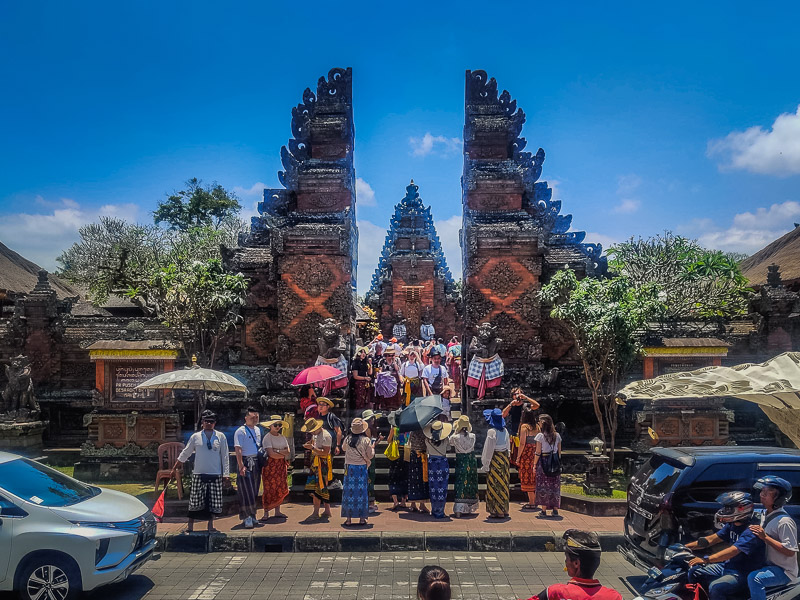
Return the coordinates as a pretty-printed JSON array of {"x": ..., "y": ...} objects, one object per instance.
[
  {"x": 485, "y": 342},
  {"x": 18, "y": 398},
  {"x": 427, "y": 331},
  {"x": 486, "y": 368},
  {"x": 332, "y": 351},
  {"x": 399, "y": 328}
]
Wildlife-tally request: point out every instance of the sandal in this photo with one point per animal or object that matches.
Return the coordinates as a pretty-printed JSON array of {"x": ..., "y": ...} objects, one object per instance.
[{"x": 528, "y": 507}]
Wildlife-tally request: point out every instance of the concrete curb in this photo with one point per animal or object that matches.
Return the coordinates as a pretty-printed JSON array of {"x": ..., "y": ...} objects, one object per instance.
[{"x": 386, "y": 541}]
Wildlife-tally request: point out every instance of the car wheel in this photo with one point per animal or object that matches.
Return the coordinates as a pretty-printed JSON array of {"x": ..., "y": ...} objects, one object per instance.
[{"x": 49, "y": 578}]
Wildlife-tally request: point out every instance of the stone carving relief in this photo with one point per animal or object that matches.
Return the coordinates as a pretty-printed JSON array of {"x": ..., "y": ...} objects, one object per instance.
[
  {"x": 19, "y": 401},
  {"x": 502, "y": 279},
  {"x": 289, "y": 304},
  {"x": 314, "y": 277}
]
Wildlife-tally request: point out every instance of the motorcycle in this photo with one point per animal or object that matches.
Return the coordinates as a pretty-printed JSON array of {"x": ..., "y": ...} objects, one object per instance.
[{"x": 672, "y": 581}]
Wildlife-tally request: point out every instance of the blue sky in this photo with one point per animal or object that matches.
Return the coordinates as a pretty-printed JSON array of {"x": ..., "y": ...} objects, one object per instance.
[{"x": 680, "y": 116}]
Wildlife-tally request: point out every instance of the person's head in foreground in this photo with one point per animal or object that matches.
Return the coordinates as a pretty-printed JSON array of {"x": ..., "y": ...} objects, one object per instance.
[
  {"x": 581, "y": 553},
  {"x": 433, "y": 584}
]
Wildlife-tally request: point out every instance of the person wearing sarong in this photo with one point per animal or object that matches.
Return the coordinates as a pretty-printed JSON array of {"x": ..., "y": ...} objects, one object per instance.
[
  {"x": 274, "y": 474},
  {"x": 466, "y": 488},
  {"x": 548, "y": 488},
  {"x": 418, "y": 491},
  {"x": 435, "y": 380},
  {"x": 512, "y": 413},
  {"x": 246, "y": 442},
  {"x": 494, "y": 462},
  {"x": 411, "y": 377},
  {"x": 387, "y": 395},
  {"x": 398, "y": 471},
  {"x": 436, "y": 434},
  {"x": 359, "y": 450},
  {"x": 308, "y": 410},
  {"x": 211, "y": 467},
  {"x": 361, "y": 373},
  {"x": 370, "y": 417},
  {"x": 321, "y": 467},
  {"x": 526, "y": 453},
  {"x": 453, "y": 363}
]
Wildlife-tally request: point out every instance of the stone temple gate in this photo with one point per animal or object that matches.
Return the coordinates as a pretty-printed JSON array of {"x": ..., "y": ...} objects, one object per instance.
[{"x": 301, "y": 253}]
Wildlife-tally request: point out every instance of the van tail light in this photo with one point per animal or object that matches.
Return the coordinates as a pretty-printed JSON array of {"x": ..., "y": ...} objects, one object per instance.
[{"x": 668, "y": 522}]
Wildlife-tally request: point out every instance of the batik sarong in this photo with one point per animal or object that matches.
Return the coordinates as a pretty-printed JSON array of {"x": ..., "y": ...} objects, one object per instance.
[
  {"x": 247, "y": 488},
  {"x": 527, "y": 477},
  {"x": 466, "y": 488},
  {"x": 485, "y": 373},
  {"x": 317, "y": 482},
  {"x": 497, "y": 484},
  {"x": 205, "y": 496},
  {"x": 438, "y": 475},
  {"x": 411, "y": 389},
  {"x": 417, "y": 486},
  {"x": 398, "y": 477},
  {"x": 274, "y": 479},
  {"x": 362, "y": 393},
  {"x": 355, "y": 499},
  {"x": 548, "y": 489}
]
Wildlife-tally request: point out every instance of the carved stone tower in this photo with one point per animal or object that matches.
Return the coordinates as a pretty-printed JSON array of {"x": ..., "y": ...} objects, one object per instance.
[
  {"x": 513, "y": 236},
  {"x": 412, "y": 275},
  {"x": 301, "y": 253}
]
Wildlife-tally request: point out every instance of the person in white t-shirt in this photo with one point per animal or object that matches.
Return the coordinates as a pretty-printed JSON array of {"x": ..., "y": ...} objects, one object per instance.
[
  {"x": 779, "y": 533},
  {"x": 435, "y": 379}
]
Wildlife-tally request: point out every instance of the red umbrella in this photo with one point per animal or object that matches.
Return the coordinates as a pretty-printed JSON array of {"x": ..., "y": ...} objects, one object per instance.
[{"x": 316, "y": 374}]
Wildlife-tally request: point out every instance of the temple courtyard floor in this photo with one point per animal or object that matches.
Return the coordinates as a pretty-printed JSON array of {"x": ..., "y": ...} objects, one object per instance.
[
  {"x": 354, "y": 576},
  {"x": 386, "y": 531}
]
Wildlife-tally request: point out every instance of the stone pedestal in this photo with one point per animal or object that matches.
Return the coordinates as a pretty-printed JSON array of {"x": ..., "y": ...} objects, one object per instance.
[
  {"x": 597, "y": 476},
  {"x": 22, "y": 438}
]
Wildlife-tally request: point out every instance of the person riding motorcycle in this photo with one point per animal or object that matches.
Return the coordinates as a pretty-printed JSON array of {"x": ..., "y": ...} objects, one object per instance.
[
  {"x": 581, "y": 560},
  {"x": 779, "y": 533},
  {"x": 724, "y": 573}
]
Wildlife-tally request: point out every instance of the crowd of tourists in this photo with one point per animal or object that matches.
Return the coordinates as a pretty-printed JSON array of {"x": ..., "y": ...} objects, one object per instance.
[{"x": 419, "y": 470}]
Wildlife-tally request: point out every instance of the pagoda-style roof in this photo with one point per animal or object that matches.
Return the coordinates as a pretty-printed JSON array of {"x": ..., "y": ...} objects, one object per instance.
[{"x": 412, "y": 220}]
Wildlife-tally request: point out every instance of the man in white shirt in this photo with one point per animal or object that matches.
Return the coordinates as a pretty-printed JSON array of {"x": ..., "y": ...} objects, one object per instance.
[
  {"x": 247, "y": 441},
  {"x": 436, "y": 379},
  {"x": 779, "y": 533},
  {"x": 211, "y": 466}
]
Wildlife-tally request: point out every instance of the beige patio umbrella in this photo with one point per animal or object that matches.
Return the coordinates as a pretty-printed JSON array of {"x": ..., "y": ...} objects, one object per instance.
[
  {"x": 195, "y": 378},
  {"x": 774, "y": 385}
]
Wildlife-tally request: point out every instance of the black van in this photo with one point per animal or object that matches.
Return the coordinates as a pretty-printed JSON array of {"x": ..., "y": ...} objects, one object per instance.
[{"x": 672, "y": 497}]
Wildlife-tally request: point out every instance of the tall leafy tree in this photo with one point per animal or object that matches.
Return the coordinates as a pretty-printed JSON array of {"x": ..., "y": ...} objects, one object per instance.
[
  {"x": 605, "y": 318},
  {"x": 697, "y": 285},
  {"x": 197, "y": 206},
  {"x": 174, "y": 273}
]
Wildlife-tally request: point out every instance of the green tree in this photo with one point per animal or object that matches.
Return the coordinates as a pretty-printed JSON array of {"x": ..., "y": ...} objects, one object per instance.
[
  {"x": 605, "y": 318},
  {"x": 696, "y": 284},
  {"x": 175, "y": 273},
  {"x": 197, "y": 206}
]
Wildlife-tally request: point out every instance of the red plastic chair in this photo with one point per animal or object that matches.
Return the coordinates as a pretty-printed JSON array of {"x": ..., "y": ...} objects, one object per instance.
[{"x": 167, "y": 455}]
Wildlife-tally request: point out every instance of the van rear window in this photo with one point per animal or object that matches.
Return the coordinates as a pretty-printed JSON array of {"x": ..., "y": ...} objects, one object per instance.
[{"x": 659, "y": 477}]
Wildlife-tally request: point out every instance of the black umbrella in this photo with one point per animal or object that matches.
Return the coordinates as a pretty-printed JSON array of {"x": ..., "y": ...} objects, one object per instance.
[{"x": 417, "y": 414}]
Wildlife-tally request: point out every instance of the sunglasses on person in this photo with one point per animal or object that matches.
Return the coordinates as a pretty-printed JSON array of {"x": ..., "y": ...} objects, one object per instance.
[{"x": 277, "y": 425}]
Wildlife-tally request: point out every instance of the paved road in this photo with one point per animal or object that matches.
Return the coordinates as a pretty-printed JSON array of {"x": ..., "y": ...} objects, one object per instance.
[{"x": 385, "y": 576}]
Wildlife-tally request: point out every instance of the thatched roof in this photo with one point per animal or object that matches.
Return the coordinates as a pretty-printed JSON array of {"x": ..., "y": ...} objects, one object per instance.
[
  {"x": 18, "y": 275},
  {"x": 785, "y": 252}
]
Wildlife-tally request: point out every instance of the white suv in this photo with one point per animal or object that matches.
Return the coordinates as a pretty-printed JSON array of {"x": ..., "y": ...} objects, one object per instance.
[{"x": 59, "y": 536}]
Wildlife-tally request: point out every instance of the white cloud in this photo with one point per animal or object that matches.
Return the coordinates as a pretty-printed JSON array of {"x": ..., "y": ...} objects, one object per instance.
[
  {"x": 627, "y": 206},
  {"x": 250, "y": 198},
  {"x": 434, "y": 144},
  {"x": 773, "y": 152},
  {"x": 365, "y": 195},
  {"x": 257, "y": 189},
  {"x": 370, "y": 243},
  {"x": 41, "y": 237},
  {"x": 600, "y": 238},
  {"x": 447, "y": 230},
  {"x": 627, "y": 188},
  {"x": 749, "y": 231}
]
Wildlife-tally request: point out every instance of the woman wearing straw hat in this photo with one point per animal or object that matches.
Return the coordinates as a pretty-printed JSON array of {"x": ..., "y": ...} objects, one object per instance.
[
  {"x": 466, "y": 488},
  {"x": 321, "y": 467},
  {"x": 274, "y": 473},
  {"x": 370, "y": 416},
  {"x": 358, "y": 453},
  {"x": 436, "y": 434},
  {"x": 494, "y": 461},
  {"x": 418, "y": 489}
]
